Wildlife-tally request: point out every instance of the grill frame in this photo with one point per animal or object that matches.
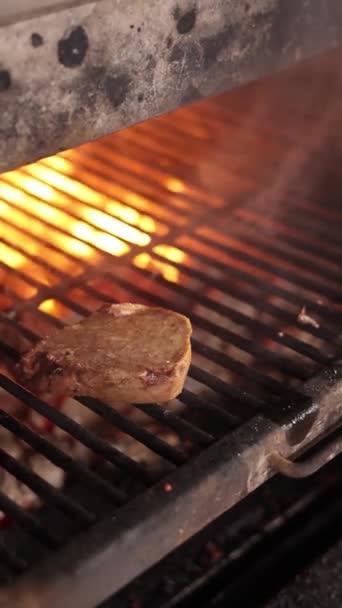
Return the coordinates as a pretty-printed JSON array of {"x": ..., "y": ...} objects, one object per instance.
[{"x": 81, "y": 575}]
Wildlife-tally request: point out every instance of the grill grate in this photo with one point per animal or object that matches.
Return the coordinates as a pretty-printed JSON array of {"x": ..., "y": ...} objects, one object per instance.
[
  {"x": 265, "y": 538},
  {"x": 216, "y": 211}
]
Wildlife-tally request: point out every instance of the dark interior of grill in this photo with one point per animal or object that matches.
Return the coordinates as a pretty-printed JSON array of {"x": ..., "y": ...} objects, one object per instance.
[{"x": 228, "y": 211}]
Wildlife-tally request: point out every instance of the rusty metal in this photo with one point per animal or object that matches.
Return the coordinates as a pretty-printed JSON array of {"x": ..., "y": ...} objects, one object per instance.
[{"x": 78, "y": 73}]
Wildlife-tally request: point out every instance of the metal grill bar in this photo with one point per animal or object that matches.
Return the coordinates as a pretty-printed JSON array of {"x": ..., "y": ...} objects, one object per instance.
[
  {"x": 274, "y": 387},
  {"x": 30, "y": 523},
  {"x": 307, "y": 225},
  {"x": 100, "y": 163},
  {"x": 192, "y": 400},
  {"x": 8, "y": 351},
  {"x": 78, "y": 432},
  {"x": 151, "y": 170},
  {"x": 14, "y": 562},
  {"x": 47, "y": 243},
  {"x": 60, "y": 459},
  {"x": 174, "y": 455},
  {"x": 59, "y": 229},
  {"x": 144, "y": 184},
  {"x": 267, "y": 244},
  {"x": 45, "y": 316},
  {"x": 35, "y": 258},
  {"x": 250, "y": 402},
  {"x": 26, "y": 278},
  {"x": 183, "y": 427},
  {"x": 297, "y": 254},
  {"x": 27, "y": 333},
  {"x": 235, "y": 168},
  {"x": 181, "y": 162},
  {"x": 77, "y": 217},
  {"x": 151, "y": 149},
  {"x": 251, "y": 279},
  {"x": 44, "y": 489},
  {"x": 238, "y": 341},
  {"x": 245, "y": 321},
  {"x": 292, "y": 276},
  {"x": 295, "y": 238},
  {"x": 81, "y": 310},
  {"x": 264, "y": 287}
]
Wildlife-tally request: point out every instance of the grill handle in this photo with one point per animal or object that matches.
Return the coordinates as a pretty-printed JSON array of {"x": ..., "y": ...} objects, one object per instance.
[{"x": 309, "y": 466}]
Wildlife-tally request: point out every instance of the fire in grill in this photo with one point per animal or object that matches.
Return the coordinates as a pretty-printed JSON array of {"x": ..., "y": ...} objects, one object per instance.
[{"x": 216, "y": 211}]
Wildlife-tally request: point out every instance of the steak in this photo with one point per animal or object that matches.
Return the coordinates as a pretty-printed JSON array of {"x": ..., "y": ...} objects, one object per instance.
[{"x": 123, "y": 353}]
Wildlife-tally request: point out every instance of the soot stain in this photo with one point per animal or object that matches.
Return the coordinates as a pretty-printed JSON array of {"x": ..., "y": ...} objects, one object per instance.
[
  {"x": 5, "y": 80},
  {"x": 72, "y": 50},
  {"x": 190, "y": 53},
  {"x": 95, "y": 75},
  {"x": 176, "y": 13},
  {"x": 169, "y": 42},
  {"x": 151, "y": 62},
  {"x": 61, "y": 122},
  {"x": 140, "y": 97},
  {"x": 186, "y": 22},
  {"x": 36, "y": 40},
  {"x": 177, "y": 53},
  {"x": 213, "y": 45},
  {"x": 283, "y": 21},
  {"x": 190, "y": 94},
  {"x": 117, "y": 87},
  {"x": 89, "y": 86}
]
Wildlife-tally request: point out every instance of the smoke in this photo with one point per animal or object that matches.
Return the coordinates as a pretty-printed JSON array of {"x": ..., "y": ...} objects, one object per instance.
[{"x": 277, "y": 136}]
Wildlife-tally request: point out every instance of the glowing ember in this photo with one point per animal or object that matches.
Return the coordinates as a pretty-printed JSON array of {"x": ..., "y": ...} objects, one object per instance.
[
  {"x": 169, "y": 272},
  {"x": 175, "y": 185},
  {"x": 55, "y": 216}
]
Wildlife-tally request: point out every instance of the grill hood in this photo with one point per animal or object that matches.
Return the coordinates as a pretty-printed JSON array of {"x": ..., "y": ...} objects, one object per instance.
[{"x": 73, "y": 71}]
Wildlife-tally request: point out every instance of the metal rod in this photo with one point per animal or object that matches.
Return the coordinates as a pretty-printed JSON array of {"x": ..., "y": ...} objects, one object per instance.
[
  {"x": 278, "y": 271},
  {"x": 242, "y": 319},
  {"x": 44, "y": 489},
  {"x": 232, "y": 338},
  {"x": 309, "y": 466},
  {"x": 251, "y": 279},
  {"x": 30, "y": 522},
  {"x": 183, "y": 427},
  {"x": 88, "y": 438},
  {"x": 61, "y": 459},
  {"x": 170, "y": 453}
]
